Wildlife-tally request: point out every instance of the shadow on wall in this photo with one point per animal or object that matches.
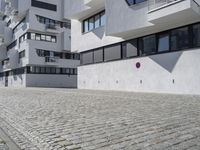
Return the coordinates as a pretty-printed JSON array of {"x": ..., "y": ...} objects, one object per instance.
[
  {"x": 99, "y": 32},
  {"x": 167, "y": 61}
]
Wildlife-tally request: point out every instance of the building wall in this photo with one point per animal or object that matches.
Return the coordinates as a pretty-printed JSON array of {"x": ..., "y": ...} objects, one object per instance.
[
  {"x": 33, "y": 80},
  {"x": 40, "y": 80},
  {"x": 14, "y": 81},
  {"x": 176, "y": 72},
  {"x": 85, "y": 41}
]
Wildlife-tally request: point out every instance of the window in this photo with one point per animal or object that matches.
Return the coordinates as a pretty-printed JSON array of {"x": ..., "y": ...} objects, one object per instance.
[
  {"x": 112, "y": 52},
  {"x": 175, "y": 39},
  {"x": 62, "y": 55},
  {"x": 91, "y": 24},
  {"x": 43, "y": 5},
  {"x": 23, "y": 38},
  {"x": 163, "y": 42},
  {"x": 53, "y": 39},
  {"x": 43, "y": 37},
  {"x": 97, "y": 21},
  {"x": 37, "y": 37},
  {"x": 12, "y": 45},
  {"x": 87, "y": 58},
  {"x": 103, "y": 19},
  {"x": 98, "y": 55},
  {"x": 86, "y": 26},
  {"x": 32, "y": 36},
  {"x": 94, "y": 22},
  {"x": 148, "y": 45},
  {"x": 48, "y": 38},
  {"x": 196, "y": 35},
  {"x": 22, "y": 54},
  {"x": 129, "y": 49},
  {"x": 40, "y": 52},
  {"x": 52, "y": 23},
  {"x": 179, "y": 39}
]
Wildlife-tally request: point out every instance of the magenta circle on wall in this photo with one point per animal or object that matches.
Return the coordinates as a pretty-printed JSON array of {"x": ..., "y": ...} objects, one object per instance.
[{"x": 138, "y": 65}]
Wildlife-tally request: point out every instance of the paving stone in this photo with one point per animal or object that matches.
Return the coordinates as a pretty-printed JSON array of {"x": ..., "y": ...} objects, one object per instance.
[{"x": 67, "y": 119}]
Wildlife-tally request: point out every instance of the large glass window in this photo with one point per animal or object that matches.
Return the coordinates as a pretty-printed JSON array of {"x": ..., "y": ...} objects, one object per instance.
[
  {"x": 196, "y": 35},
  {"x": 175, "y": 39},
  {"x": 91, "y": 24},
  {"x": 163, "y": 42},
  {"x": 129, "y": 49},
  {"x": 94, "y": 22},
  {"x": 148, "y": 45},
  {"x": 86, "y": 25},
  {"x": 98, "y": 55},
  {"x": 103, "y": 18},
  {"x": 87, "y": 58},
  {"x": 180, "y": 39},
  {"x": 112, "y": 52}
]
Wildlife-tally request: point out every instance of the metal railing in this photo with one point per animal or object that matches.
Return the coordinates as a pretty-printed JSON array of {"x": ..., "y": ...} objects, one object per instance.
[
  {"x": 51, "y": 60},
  {"x": 155, "y": 4},
  {"x": 51, "y": 26}
]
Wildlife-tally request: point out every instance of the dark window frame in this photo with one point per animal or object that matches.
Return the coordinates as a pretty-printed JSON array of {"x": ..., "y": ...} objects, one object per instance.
[
  {"x": 190, "y": 36},
  {"x": 92, "y": 17},
  {"x": 43, "y": 5}
]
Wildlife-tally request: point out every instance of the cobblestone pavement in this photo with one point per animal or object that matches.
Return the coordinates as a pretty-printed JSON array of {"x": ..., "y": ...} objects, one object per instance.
[{"x": 64, "y": 119}]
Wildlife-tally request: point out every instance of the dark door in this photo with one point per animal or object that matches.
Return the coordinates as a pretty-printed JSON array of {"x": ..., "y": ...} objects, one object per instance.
[{"x": 6, "y": 79}]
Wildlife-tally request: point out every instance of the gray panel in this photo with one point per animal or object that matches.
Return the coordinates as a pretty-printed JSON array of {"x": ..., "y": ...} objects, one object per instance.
[
  {"x": 131, "y": 48},
  {"x": 87, "y": 58},
  {"x": 98, "y": 55},
  {"x": 112, "y": 53}
]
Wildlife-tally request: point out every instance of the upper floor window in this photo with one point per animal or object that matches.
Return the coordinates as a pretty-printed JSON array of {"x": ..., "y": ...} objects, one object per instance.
[
  {"x": 22, "y": 54},
  {"x": 50, "y": 23},
  {"x": 94, "y": 22},
  {"x": 43, "y": 5},
  {"x": 133, "y": 2},
  {"x": 13, "y": 44}
]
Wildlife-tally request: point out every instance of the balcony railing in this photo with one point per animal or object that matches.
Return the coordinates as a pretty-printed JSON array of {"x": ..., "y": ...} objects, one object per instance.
[
  {"x": 51, "y": 26},
  {"x": 156, "y": 4},
  {"x": 51, "y": 60}
]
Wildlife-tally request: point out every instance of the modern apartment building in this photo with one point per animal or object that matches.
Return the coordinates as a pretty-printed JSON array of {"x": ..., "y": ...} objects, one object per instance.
[
  {"x": 137, "y": 45},
  {"x": 35, "y": 44}
]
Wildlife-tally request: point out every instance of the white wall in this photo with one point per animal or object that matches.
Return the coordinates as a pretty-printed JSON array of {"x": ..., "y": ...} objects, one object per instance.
[
  {"x": 36, "y": 80},
  {"x": 86, "y": 41},
  {"x": 155, "y": 75}
]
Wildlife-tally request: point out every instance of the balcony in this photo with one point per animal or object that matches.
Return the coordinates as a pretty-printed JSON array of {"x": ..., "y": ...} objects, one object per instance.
[
  {"x": 158, "y": 4},
  {"x": 167, "y": 11},
  {"x": 51, "y": 60},
  {"x": 52, "y": 28}
]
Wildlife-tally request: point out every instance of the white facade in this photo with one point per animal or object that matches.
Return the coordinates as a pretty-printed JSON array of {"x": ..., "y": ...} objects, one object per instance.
[
  {"x": 35, "y": 44},
  {"x": 173, "y": 25}
]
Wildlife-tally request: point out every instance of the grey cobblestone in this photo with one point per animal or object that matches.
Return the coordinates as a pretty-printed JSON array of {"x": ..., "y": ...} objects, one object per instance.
[{"x": 64, "y": 119}]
